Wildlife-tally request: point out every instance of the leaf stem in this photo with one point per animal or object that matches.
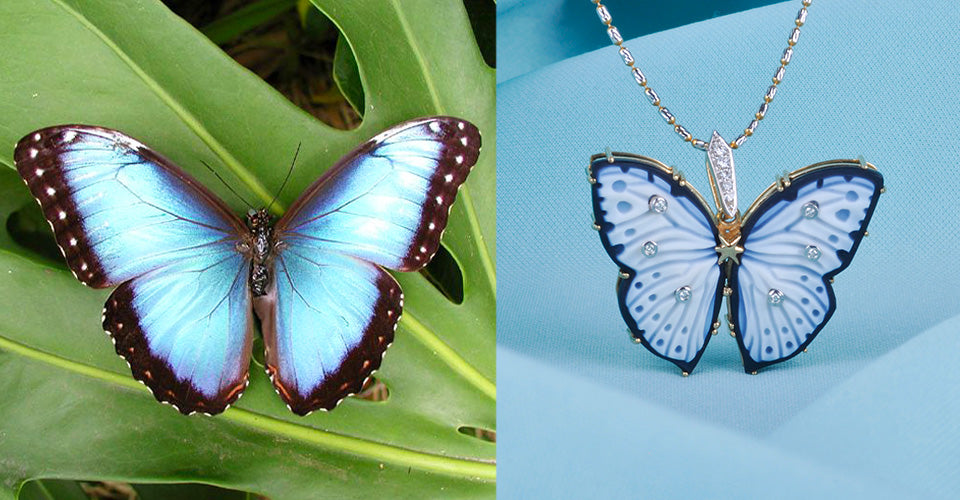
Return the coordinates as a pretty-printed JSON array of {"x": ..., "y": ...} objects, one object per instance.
[{"x": 431, "y": 87}]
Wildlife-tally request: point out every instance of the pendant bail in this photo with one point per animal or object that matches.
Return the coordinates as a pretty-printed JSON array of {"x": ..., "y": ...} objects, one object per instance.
[{"x": 723, "y": 179}]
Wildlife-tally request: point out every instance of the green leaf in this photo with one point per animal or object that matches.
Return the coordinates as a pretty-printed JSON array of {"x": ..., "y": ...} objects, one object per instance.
[
  {"x": 346, "y": 75},
  {"x": 52, "y": 489},
  {"x": 69, "y": 407},
  {"x": 237, "y": 23},
  {"x": 185, "y": 492}
]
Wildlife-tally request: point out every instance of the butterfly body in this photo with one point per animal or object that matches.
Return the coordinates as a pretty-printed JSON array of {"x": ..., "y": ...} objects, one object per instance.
[
  {"x": 259, "y": 247},
  {"x": 190, "y": 275},
  {"x": 775, "y": 265}
]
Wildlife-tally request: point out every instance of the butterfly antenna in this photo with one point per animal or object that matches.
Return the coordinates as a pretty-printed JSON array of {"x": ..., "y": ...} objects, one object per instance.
[
  {"x": 227, "y": 185},
  {"x": 289, "y": 172}
]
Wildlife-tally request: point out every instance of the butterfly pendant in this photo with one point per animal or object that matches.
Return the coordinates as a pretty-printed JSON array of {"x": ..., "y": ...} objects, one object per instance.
[
  {"x": 775, "y": 264},
  {"x": 191, "y": 274}
]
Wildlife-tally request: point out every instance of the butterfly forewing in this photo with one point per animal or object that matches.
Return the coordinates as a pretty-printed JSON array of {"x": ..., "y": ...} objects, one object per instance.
[
  {"x": 117, "y": 208},
  {"x": 387, "y": 202},
  {"x": 662, "y": 235},
  {"x": 795, "y": 241},
  {"x": 333, "y": 309},
  {"x": 122, "y": 214}
]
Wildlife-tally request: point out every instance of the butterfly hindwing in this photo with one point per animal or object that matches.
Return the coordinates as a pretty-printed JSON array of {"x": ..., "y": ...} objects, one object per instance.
[
  {"x": 795, "y": 241},
  {"x": 333, "y": 310},
  {"x": 124, "y": 215},
  {"x": 326, "y": 322},
  {"x": 186, "y": 330},
  {"x": 661, "y": 233}
]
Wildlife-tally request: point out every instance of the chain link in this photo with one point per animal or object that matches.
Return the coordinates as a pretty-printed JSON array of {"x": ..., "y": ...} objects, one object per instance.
[{"x": 641, "y": 79}]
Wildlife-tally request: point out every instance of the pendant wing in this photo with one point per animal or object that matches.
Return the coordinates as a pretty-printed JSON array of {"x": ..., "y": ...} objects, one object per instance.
[
  {"x": 796, "y": 240},
  {"x": 660, "y": 232}
]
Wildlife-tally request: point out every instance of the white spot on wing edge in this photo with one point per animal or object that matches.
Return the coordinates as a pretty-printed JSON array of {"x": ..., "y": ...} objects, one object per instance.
[{"x": 129, "y": 142}]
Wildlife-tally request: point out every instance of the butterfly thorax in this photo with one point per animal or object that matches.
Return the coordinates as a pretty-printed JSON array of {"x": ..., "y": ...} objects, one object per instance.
[{"x": 259, "y": 249}]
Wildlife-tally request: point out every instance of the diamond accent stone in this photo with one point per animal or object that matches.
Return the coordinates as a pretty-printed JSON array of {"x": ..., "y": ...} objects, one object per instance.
[
  {"x": 775, "y": 297},
  {"x": 812, "y": 252},
  {"x": 810, "y": 210},
  {"x": 657, "y": 204},
  {"x": 650, "y": 248},
  {"x": 683, "y": 294},
  {"x": 720, "y": 159}
]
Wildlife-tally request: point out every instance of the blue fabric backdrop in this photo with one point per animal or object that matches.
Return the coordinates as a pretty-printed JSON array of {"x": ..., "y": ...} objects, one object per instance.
[
  {"x": 535, "y": 33},
  {"x": 873, "y": 409}
]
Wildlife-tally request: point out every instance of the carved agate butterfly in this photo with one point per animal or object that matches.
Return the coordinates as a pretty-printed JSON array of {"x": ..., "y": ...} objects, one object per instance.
[
  {"x": 191, "y": 274},
  {"x": 678, "y": 259}
]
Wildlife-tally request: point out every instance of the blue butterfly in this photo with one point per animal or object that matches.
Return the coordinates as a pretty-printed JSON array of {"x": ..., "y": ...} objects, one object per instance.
[
  {"x": 191, "y": 274},
  {"x": 678, "y": 259}
]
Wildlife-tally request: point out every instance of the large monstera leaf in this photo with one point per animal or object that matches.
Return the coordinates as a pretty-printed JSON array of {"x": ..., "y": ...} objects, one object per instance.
[{"x": 68, "y": 405}]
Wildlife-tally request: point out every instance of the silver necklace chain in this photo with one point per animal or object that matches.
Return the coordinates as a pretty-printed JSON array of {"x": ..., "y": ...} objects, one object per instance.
[{"x": 641, "y": 79}]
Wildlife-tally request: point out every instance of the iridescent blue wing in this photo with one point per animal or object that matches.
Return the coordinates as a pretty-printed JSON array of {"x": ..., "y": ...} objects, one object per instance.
[
  {"x": 186, "y": 329},
  {"x": 660, "y": 232},
  {"x": 387, "y": 202},
  {"x": 796, "y": 240},
  {"x": 326, "y": 322},
  {"x": 124, "y": 215},
  {"x": 333, "y": 311}
]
